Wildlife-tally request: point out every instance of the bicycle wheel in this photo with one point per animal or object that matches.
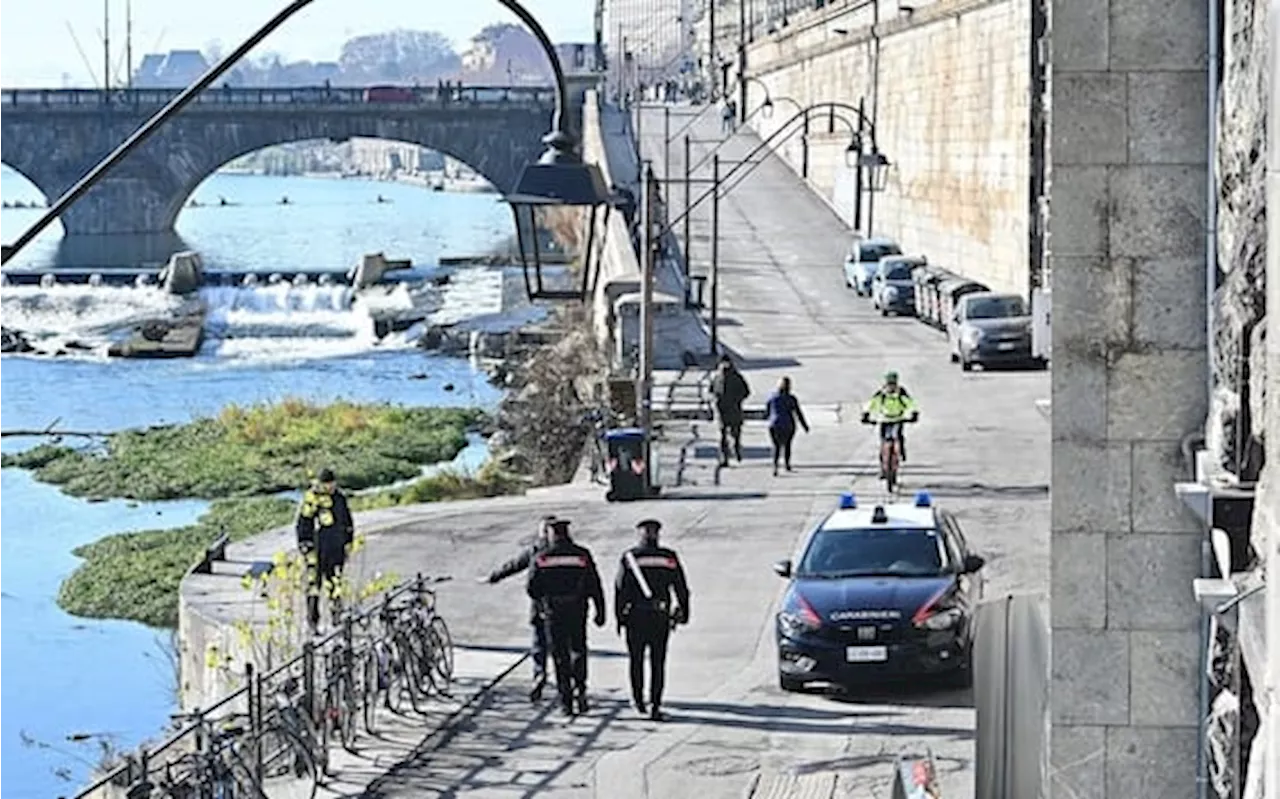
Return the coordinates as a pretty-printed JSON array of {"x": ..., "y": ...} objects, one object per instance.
[
  {"x": 369, "y": 689},
  {"x": 313, "y": 738},
  {"x": 346, "y": 709},
  {"x": 443, "y": 645},
  {"x": 392, "y": 665},
  {"x": 410, "y": 660},
  {"x": 424, "y": 650},
  {"x": 289, "y": 766}
]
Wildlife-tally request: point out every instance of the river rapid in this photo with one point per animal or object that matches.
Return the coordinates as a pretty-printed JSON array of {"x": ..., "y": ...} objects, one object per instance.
[{"x": 112, "y": 683}]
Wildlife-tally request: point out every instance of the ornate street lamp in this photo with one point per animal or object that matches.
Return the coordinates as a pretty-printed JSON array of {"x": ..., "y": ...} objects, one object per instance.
[
  {"x": 559, "y": 180},
  {"x": 877, "y": 166}
]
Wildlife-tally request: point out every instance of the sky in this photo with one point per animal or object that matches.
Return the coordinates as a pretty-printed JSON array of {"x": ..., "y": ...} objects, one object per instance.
[{"x": 37, "y": 46}]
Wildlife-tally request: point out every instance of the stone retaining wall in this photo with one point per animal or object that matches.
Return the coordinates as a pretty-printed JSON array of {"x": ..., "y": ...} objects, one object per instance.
[{"x": 949, "y": 90}]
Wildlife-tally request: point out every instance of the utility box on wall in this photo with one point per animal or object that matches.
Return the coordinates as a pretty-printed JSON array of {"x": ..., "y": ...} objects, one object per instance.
[
  {"x": 668, "y": 324},
  {"x": 1041, "y": 330}
]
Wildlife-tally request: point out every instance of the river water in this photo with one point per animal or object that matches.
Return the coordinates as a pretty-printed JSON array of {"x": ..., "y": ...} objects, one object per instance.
[{"x": 114, "y": 682}]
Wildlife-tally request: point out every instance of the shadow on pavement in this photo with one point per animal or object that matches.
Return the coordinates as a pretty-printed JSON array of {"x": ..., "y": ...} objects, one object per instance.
[
  {"x": 801, "y": 720},
  {"x": 981, "y": 489},
  {"x": 503, "y": 745},
  {"x": 932, "y": 696}
]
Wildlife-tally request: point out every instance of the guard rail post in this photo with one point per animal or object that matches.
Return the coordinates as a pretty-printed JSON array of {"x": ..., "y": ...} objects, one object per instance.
[
  {"x": 349, "y": 661},
  {"x": 254, "y": 681},
  {"x": 143, "y": 764},
  {"x": 308, "y": 679}
]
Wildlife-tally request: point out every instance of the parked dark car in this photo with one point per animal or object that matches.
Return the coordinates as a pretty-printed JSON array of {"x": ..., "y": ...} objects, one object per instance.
[
  {"x": 988, "y": 328},
  {"x": 893, "y": 290},
  {"x": 879, "y": 592}
]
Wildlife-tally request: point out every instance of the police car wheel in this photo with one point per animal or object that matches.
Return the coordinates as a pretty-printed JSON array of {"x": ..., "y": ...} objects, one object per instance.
[
  {"x": 609, "y": 496},
  {"x": 790, "y": 684}
]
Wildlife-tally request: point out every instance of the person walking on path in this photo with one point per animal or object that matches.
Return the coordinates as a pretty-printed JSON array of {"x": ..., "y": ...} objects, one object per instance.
[
  {"x": 538, "y": 649},
  {"x": 784, "y": 412},
  {"x": 647, "y": 577},
  {"x": 730, "y": 390},
  {"x": 325, "y": 532},
  {"x": 562, "y": 579}
]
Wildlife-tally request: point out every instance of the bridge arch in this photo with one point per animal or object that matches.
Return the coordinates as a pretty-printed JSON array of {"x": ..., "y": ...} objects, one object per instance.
[
  {"x": 497, "y": 153},
  {"x": 19, "y": 187}
]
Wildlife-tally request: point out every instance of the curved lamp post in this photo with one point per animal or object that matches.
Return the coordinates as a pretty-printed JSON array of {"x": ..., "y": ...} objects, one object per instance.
[
  {"x": 559, "y": 177},
  {"x": 852, "y": 155}
]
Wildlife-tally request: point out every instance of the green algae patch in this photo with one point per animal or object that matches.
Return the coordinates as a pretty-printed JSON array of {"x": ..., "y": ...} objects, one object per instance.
[
  {"x": 490, "y": 480},
  {"x": 256, "y": 450},
  {"x": 135, "y": 575}
]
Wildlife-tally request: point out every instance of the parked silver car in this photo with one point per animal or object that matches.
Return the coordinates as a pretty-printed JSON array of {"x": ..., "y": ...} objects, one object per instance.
[
  {"x": 990, "y": 328},
  {"x": 893, "y": 288},
  {"x": 860, "y": 264}
]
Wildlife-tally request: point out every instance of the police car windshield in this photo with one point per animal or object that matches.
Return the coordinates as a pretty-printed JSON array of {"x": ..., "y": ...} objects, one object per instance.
[{"x": 873, "y": 552}]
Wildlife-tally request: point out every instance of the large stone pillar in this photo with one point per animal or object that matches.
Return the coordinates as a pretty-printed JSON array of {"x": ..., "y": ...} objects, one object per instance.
[{"x": 1128, "y": 149}]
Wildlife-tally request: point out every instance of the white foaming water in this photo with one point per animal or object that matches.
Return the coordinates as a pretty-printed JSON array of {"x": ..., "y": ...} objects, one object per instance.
[
  {"x": 80, "y": 320},
  {"x": 274, "y": 323}
]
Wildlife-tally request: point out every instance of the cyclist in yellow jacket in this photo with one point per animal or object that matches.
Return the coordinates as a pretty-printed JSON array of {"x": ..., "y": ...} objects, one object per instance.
[{"x": 891, "y": 406}]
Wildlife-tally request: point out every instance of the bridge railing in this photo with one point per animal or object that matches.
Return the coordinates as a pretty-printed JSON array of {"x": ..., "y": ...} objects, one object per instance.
[{"x": 327, "y": 96}]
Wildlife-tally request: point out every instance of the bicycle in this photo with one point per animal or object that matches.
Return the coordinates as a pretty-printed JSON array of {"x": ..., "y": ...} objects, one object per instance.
[
  {"x": 300, "y": 724},
  {"x": 340, "y": 695},
  {"x": 232, "y": 764},
  {"x": 890, "y": 446},
  {"x": 421, "y": 648}
]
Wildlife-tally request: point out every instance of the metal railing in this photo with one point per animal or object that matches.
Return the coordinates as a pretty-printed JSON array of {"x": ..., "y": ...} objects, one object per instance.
[
  {"x": 56, "y": 99},
  {"x": 313, "y": 672}
]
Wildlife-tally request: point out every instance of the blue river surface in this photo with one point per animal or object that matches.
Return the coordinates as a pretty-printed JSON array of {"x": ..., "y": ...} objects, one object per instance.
[{"x": 114, "y": 681}]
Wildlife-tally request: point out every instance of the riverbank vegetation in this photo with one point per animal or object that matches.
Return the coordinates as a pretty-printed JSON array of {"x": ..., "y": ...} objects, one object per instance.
[
  {"x": 135, "y": 575},
  {"x": 261, "y": 449},
  {"x": 240, "y": 457}
]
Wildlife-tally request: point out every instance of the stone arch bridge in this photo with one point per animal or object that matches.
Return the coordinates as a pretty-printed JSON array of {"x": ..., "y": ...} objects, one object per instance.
[{"x": 53, "y": 137}]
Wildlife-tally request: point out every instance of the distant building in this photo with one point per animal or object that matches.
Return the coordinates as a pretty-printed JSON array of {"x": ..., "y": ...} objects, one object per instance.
[
  {"x": 577, "y": 57},
  {"x": 175, "y": 70},
  {"x": 646, "y": 40},
  {"x": 480, "y": 56}
]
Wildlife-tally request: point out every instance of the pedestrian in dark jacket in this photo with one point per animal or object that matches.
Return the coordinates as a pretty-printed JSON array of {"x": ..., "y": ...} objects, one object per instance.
[
  {"x": 730, "y": 390},
  {"x": 784, "y": 412},
  {"x": 562, "y": 580},
  {"x": 538, "y": 649},
  {"x": 648, "y": 576},
  {"x": 325, "y": 532}
]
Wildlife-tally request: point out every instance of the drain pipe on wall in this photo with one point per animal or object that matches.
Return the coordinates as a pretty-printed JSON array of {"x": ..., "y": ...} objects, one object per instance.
[
  {"x": 1214, "y": 7},
  {"x": 1211, "y": 205},
  {"x": 1271, "y": 680}
]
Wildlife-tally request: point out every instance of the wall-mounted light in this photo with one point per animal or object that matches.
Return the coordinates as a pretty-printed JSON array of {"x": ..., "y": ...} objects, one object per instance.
[
  {"x": 906, "y": 10},
  {"x": 840, "y": 31}
]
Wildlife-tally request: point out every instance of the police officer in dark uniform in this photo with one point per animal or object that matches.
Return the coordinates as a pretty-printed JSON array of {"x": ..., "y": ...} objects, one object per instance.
[
  {"x": 647, "y": 577},
  {"x": 562, "y": 579},
  {"x": 325, "y": 531},
  {"x": 538, "y": 650}
]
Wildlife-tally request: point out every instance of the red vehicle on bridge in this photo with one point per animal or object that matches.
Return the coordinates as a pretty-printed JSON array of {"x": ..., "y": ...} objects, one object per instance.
[{"x": 389, "y": 94}]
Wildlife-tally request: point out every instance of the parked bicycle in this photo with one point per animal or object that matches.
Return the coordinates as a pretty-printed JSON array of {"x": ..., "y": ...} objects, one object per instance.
[
  {"x": 230, "y": 763},
  {"x": 890, "y": 447}
]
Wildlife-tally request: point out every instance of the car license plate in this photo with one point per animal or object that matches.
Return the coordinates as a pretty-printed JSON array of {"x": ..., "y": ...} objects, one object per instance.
[
  {"x": 866, "y": 654},
  {"x": 1006, "y": 345}
]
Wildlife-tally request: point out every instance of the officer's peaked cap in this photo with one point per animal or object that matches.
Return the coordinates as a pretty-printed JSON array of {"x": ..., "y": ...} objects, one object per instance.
[
  {"x": 649, "y": 525},
  {"x": 559, "y": 525}
]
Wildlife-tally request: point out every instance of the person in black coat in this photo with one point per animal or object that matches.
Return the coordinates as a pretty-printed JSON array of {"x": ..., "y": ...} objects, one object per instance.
[
  {"x": 325, "y": 531},
  {"x": 562, "y": 580},
  {"x": 521, "y": 562},
  {"x": 648, "y": 576},
  {"x": 730, "y": 390}
]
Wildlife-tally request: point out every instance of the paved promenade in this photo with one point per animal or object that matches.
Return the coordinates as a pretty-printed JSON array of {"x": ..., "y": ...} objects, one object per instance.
[{"x": 981, "y": 448}]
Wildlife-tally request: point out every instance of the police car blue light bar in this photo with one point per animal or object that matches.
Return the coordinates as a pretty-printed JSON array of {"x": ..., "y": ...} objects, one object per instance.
[
  {"x": 923, "y": 500},
  {"x": 848, "y": 500}
]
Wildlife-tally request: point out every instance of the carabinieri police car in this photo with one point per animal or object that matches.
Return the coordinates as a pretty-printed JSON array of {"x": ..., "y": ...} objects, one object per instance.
[{"x": 879, "y": 592}]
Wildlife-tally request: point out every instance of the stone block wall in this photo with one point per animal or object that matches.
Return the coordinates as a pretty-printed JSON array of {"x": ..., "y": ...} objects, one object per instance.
[
  {"x": 1127, "y": 205},
  {"x": 949, "y": 91}
]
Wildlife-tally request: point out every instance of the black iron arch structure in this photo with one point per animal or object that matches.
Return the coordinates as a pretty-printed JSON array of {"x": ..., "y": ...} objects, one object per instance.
[{"x": 561, "y": 157}]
